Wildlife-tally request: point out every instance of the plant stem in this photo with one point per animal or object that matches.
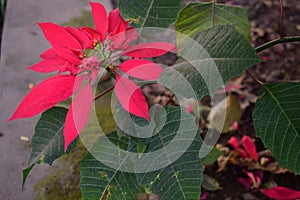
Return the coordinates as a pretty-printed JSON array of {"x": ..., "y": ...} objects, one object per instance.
[
  {"x": 104, "y": 93},
  {"x": 277, "y": 41},
  {"x": 213, "y": 12},
  {"x": 169, "y": 101},
  {"x": 281, "y": 18},
  {"x": 255, "y": 79}
]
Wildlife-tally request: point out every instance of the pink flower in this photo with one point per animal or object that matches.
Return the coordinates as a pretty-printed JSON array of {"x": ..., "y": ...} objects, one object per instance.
[
  {"x": 253, "y": 181},
  {"x": 248, "y": 150}
]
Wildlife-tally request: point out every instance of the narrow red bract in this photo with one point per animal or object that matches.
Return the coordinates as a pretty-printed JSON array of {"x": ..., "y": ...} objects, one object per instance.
[
  {"x": 149, "y": 50},
  {"x": 281, "y": 193},
  {"x": 45, "y": 95},
  {"x": 78, "y": 114},
  {"x": 58, "y": 36},
  {"x": 100, "y": 19},
  {"x": 131, "y": 97},
  {"x": 51, "y": 65},
  {"x": 250, "y": 147},
  {"x": 142, "y": 69}
]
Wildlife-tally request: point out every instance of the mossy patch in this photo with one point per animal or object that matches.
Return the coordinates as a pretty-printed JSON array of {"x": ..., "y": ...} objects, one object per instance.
[{"x": 63, "y": 183}]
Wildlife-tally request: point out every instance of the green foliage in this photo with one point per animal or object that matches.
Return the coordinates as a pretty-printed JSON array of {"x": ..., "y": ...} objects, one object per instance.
[
  {"x": 276, "y": 120},
  {"x": 218, "y": 54},
  {"x": 150, "y": 13},
  {"x": 198, "y": 16},
  {"x": 212, "y": 156},
  {"x": 48, "y": 140},
  {"x": 179, "y": 180}
]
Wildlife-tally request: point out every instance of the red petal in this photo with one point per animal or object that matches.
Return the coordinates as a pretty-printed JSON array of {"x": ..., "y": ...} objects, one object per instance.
[
  {"x": 142, "y": 69},
  {"x": 45, "y": 95},
  {"x": 235, "y": 144},
  {"x": 78, "y": 114},
  {"x": 81, "y": 36},
  {"x": 131, "y": 97},
  {"x": 250, "y": 147},
  {"x": 93, "y": 35},
  {"x": 149, "y": 50},
  {"x": 68, "y": 55},
  {"x": 49, "y": 53},
  {"x": 46, "y": 66},
  {"x": 281, "y": 193},
  {"x": 100, "y": 19},
  {"x": 58, "y": 36},
  {"x": 116, "y": 22}
]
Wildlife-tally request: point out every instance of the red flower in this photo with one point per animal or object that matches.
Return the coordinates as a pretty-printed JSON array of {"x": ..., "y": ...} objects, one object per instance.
[{"x": 81, "y": 52}]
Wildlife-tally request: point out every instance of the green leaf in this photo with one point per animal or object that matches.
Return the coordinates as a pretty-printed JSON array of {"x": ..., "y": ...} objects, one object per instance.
[
  {"x": 48, "y": 141},
  {"x": 208, "y": 60},
  {"x": 25, "y": 174},
  {"x": 198, "y": 16},
  {"x": 150, "y": 13},
  {"x": 210, "y": 184},
  {"x": 180, "y": 179},
  {"x": 277, "y": 122},
  {"x": 212, "y": 156}
]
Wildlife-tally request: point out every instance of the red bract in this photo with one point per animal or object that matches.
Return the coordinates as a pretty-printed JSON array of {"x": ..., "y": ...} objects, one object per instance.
[
  {"x": 249, "y": 149},
  {"x": 137, "y": 69},
  {"x": 45, "y": 95},
  {"x": 131, "y": 97},
  {"x": 281, "y": 193}
]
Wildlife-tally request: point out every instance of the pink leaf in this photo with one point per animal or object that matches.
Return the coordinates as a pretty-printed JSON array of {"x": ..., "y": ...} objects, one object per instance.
[
  {"x": 100, "y": 19},
  {"x": 45, "y": 95},
  {"x": 142, "y": 69},
  {"x": 58, "y": 36},
  {"x": 51, "y": 65},
  {"x": 250, "y": 147},
  {"x": 281, "y": 193},
  {"x": 78, "y": 114},
  {"x": 149, "y": 50},
  {"x": 131, "y": 97}
]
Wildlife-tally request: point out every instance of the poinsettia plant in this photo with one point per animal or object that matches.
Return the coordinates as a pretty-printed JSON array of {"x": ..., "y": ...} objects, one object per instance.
[{"x": 212, "y": 42}]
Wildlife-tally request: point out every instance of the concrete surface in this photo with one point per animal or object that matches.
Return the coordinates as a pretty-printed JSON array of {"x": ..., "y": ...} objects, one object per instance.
[{"x": 22, "y": 43}]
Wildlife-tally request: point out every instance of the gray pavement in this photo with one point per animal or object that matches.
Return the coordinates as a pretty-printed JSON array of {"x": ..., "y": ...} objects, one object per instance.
[{"x": 22, "y": 43}]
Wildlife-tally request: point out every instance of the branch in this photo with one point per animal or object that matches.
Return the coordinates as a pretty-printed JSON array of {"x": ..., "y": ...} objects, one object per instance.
[
  {"x": 170, "y": 99},
  {"x": 277, "y": 41},
  {"x": 104, "y": 93},
  {"x": 255, "y": 79}
]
